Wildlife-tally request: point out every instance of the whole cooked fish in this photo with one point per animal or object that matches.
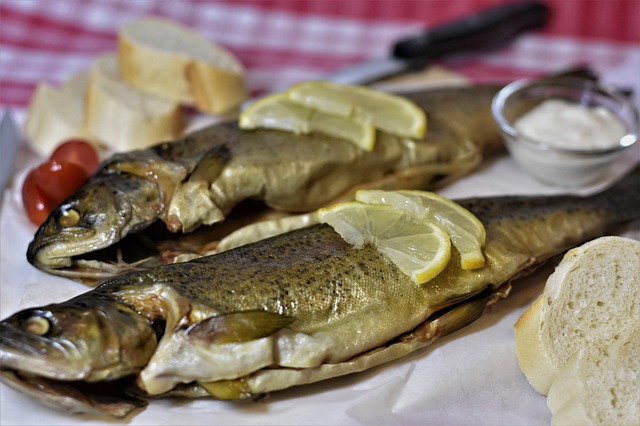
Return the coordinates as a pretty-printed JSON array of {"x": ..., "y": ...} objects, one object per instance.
[
  {"x": 293, "y": 309},
  {"x": 229, "y": 177}
]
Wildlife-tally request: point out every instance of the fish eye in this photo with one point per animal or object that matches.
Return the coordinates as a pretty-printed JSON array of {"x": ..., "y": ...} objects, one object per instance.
[
  {"x": 37, "y": 325},
  {"x": 69, "y": 217}
]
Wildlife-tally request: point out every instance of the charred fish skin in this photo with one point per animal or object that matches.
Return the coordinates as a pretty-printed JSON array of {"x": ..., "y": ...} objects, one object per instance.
[
  {"x": 303, "y": 306},
  {"x": 203, "y": 176}
]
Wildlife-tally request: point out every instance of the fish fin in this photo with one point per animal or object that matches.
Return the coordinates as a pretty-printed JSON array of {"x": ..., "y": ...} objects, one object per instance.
[
  {"x": 238, "y": 327},
  {"x": 192, "y": 204},
  {"x": 461, "y": 315},
  {"x": 449, "y": 320},
  {"x": 228, "y": 389},
  {"x": 211, "y": 164}
]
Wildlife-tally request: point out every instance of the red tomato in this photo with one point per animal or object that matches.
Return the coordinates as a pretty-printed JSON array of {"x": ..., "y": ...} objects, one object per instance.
[
  {"x": 79, "y": 152},
  {"x": 35, "y": 202},
  {"x": 51, "y": 182},
  {"x": 58, "y": 180}
]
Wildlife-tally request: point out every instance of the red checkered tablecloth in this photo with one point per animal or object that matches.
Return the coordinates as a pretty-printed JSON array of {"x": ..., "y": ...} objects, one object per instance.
[
  {"x": 281, "y": 42},
  {"x": 469, "y": 378}
]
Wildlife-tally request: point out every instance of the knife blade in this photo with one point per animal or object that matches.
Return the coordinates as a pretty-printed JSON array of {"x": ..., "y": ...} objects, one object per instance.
[
  {"x": 486, "y": 29},
  {"x": 9, "y": 143}
]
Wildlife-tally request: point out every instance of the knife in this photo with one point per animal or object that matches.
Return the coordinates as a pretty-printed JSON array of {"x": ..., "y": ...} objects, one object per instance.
[
  {"x": 486, "y": 29},
  {"x": 9, "y": 142}
]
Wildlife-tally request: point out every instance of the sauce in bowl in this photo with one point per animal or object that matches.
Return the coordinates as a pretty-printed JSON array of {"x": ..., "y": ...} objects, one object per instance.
[
  {"x": 565, "y": 132},
  {"x": 568, "y": 125}
]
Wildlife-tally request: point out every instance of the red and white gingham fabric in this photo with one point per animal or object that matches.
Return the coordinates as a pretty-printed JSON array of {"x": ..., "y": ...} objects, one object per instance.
[
  {"x": 471, "y": 378},
  {"x": 281, "y": 42}
]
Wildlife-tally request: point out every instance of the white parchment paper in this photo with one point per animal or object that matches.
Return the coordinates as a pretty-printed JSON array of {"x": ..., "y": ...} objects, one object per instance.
[{"x": 470, "y": 377}]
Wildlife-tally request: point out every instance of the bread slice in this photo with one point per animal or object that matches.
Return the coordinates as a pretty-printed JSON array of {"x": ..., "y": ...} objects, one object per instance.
[
  {"x": 166, "y": 59},
  {"x": 56, "y": 114},
  {"x": 599, "y": 385},
  {"x": 123, "y": 117},
  {"x": 593, "y": 297}
]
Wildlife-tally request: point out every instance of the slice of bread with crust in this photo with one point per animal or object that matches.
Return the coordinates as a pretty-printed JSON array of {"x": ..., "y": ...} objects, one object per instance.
[
  {"x": 592, "y": 298},
  {"x": 123, "y": 117},
  {"x": 599, "y": 385},
  {"x": 172, "y": 61},
  {"x": 56, "y": 114}
]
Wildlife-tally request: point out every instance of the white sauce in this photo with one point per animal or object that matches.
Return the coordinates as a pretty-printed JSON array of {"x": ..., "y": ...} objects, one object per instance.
[{"x": 569, "y": 125}]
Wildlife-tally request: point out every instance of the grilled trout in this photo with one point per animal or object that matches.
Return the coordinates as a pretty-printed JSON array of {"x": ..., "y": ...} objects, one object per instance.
[
  {"x": 293, "y": 309},
  {"x": 226, "y": 178}
]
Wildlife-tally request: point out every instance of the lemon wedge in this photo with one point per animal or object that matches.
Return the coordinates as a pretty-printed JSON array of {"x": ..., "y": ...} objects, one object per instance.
[
  {"x": 419, "y": 248},
  {"x": 467, "y": 233},
  {"x": 277, "y": 111},
  {"x": 387, "y": 112}
]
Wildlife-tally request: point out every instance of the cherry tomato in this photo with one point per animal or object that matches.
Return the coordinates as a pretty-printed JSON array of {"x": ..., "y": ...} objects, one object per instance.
[
  {"x": 58, "y": 180},
  {"x": 68, "y": 168},
  {"x": 34, "y": 201},
  {"x": 77, "y": 151}
]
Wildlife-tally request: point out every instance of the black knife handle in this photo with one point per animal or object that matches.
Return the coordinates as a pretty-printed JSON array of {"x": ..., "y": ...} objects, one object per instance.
[{"x": 488, "y": 28}]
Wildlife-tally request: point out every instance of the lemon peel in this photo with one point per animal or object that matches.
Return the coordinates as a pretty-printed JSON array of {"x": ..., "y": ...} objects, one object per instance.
[
  {"x": 468, "y": 234},
  {"x": 277, "y": 111},
  {"x": 390, "y": 113},
  {"x": 419, "y": 248}
]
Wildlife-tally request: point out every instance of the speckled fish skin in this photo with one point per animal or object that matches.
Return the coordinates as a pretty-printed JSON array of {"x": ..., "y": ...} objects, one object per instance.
[
  {"x": 200, "y": 178},
  {"x": 289, "y": 310}
]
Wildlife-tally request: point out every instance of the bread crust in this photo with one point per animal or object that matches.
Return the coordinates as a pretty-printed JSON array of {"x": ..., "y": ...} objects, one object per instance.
[
  {"x": 57, "y": 114},
  {"x": 123, "y": 117},
  {"x": 531, "y": 353},
  {"x": 211, "y": 86},
  {"x": 152, "y": 70},
  {"x": 214, "y": 89}
]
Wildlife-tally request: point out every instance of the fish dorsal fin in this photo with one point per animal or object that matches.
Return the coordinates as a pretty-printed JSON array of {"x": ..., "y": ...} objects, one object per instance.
[{"x": 238, "y": 327}]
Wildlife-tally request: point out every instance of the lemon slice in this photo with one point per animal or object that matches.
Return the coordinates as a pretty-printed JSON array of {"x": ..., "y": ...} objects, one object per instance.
[
  {"x": 467, "y": 232},
  {"x": 277, "y": 111},
  {"x": 419, "y": 248},
  {"x": 387, "y": 112}
]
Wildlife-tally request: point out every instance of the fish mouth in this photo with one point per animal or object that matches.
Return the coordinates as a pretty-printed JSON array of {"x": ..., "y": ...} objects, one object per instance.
[
  {"x": 112, "y": 398},
  {"x": 24, "y": 351},
  {"x": 56, "y": 380},
  {"x": 93, "y": 258},
  {"x": 55, "y": 251}
]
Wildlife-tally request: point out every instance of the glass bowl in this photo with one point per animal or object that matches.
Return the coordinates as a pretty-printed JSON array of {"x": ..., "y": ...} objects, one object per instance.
[{"x": 551, "y": 161}]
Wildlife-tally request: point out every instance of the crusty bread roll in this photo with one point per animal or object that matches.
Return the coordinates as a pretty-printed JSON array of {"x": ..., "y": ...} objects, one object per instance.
[
  {"x": 56, "y": 114},
  {"x": 164, "y": 58},
  {"x": 124, "y": 118},
  {"x": 592, "y": 298},
  {"x": 599, "y": 385}
]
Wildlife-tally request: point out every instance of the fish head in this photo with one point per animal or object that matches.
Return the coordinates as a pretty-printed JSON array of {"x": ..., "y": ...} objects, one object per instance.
[
  {"x": 97, "y": 216},
  {"x": 77, "y": 341},
  {"x": 80, "y": 356}
]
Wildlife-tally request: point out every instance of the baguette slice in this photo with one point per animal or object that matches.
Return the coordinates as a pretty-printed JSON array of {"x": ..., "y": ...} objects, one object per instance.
[
  {"x": 124, "y": 118},
  {"x": 56, "y": 114},
  {"x": 166, "y": 59},
  {"x": 592, "y": 297},
  {"x": 599, "y": 385}
]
